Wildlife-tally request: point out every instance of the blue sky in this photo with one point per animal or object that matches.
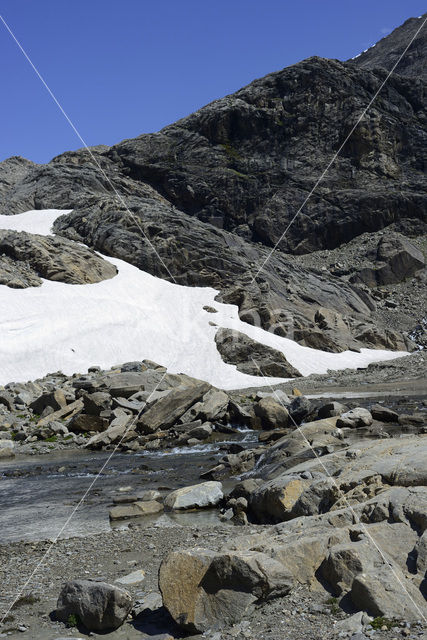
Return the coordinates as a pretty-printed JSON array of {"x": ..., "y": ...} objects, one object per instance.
[{"x": 124, "y": 68}]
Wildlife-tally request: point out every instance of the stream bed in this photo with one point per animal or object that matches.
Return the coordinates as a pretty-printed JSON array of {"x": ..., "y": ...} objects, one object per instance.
[{"x": 39, "y": 493}]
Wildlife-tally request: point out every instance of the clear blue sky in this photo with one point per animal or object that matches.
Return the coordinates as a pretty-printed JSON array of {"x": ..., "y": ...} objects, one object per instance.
[{"x": 125, "y": 67}]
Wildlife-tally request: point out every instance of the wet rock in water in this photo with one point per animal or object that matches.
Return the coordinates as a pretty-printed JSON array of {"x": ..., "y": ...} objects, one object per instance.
[
  {"x": 271, "y": 413},
  {"x": 97, "y": 605},
  {"x": 202, "y": 432},
  {"x": 383, "y": 414},
  {"x": 136, "y": 510},
  {"x": 150, "y": 494},
  {"x": 7, "y": 449},
  {"x": 358, "y": 417},
  {"x": 198, "y": 496},
  {"x": 205, "y": 590}
]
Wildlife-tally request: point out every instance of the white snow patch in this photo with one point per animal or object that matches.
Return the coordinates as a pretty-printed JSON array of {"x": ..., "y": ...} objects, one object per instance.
[
  {"x": 35, "y": 221},
  {"x": 133, "y": 316}
]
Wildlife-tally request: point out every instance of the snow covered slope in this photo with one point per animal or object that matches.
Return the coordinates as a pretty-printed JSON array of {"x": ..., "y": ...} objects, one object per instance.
[{"x": 133, "y": 316}]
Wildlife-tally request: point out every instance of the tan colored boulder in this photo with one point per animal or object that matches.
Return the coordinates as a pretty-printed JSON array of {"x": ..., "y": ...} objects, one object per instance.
[
  {"x": 205, "y": 590},
  {"x": 135, "y": 510},
  {"x": 272, "y": 414}
]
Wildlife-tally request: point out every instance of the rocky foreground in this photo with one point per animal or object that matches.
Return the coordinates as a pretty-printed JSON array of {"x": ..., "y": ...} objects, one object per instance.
[{"x": 330, "y": 507}]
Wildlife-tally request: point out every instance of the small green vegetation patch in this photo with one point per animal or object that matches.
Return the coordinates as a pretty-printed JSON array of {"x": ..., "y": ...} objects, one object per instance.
[
  {"x": 379, "y": 622},
  {"x": 72, "y": 620}
]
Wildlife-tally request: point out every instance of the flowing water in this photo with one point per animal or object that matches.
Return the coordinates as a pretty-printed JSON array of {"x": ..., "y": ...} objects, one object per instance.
[{"x": 39, "y": 493}]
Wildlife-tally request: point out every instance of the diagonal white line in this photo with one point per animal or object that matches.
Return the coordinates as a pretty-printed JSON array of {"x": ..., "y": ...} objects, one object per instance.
[
  {"x": 343, "y": 495},
  {"x": 54, "y": 540},
  {"x": 68, "y": 119},
  {"x": 337, "y": 153}
]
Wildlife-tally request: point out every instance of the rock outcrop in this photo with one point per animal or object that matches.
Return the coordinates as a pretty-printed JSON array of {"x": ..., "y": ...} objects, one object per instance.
[
  {"x": 26, "y": 258},
  {"x": 252, "y": 357}
]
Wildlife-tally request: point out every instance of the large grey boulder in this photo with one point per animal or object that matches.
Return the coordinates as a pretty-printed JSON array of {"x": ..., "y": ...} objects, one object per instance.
[
  {"x": 97, "y": 605},
  {"x": 271, "y": 413},
  {"x": 205, "y": 590},
  {"x": 212, "y": 406},
  {"x": 95, "y": 403},
  {"x": 252, "y": 357},
  {"x": 374, "y": 581},
  {"x": 166, "y": 411},
  {"x": 354, "y": 418},
  {"x": 6, "y": 399},
  {"x": 198, "y": 496}
]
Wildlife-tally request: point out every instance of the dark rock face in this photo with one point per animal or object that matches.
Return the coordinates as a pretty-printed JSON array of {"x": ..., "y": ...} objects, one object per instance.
[
  {"x": 27, "y": 258},
  {"x": 248, "y": 161},
  {"x": 252, "y": 357},
  {"x": 203, "y": 201},
  {"x": 397, "y": 260},
  {"x": 387, "y": 51}
]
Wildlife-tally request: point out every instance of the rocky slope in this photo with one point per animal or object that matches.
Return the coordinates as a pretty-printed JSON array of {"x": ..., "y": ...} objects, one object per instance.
[
  {"x": 330, "y": 506},
  {"x": 211, "y": 194}
]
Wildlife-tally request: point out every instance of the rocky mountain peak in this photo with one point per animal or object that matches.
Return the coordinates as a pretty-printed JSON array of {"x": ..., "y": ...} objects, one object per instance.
[{"x": 385, "y": 53}]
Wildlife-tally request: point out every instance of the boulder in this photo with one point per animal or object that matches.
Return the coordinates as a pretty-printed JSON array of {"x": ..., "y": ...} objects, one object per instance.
[
  {"x": 299, "y": 408},
  {"x": 198, "y": 496},
  {"x": 7, "y": 400},
  {"x": 252, "y": 357},
  {"x": 7, "y": 449},
  {"x": 135, "y": 510},
  {"x": 202, "y": 432},
  {"x": 67, "y": 411},
  {"x": 204, "y": 590},
  {"x": 289, "y": 496},
  {"x": 383, "y": 414},
  {"x": 166, "y": 411},
  {"x": 97, "y": 605},
  {"x": 54, "y": 399},
  {"x": 403, "y": 259},
  {"x": 95, "y": 403},
  {"x": 358, "y": 417},
  {"x": 271, "y": 413},
  {"x": 83, "y": 422},
  {"x": 331, "y": 409},
  {"x": 213, "y": 406}
]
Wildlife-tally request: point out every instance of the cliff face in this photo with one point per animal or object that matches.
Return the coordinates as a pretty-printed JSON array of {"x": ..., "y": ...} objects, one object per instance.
[{"x": 216, "y": 190}]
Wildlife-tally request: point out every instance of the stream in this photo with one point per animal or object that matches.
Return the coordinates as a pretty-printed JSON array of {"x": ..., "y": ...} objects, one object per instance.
[{"x": 38, "y": 493}]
